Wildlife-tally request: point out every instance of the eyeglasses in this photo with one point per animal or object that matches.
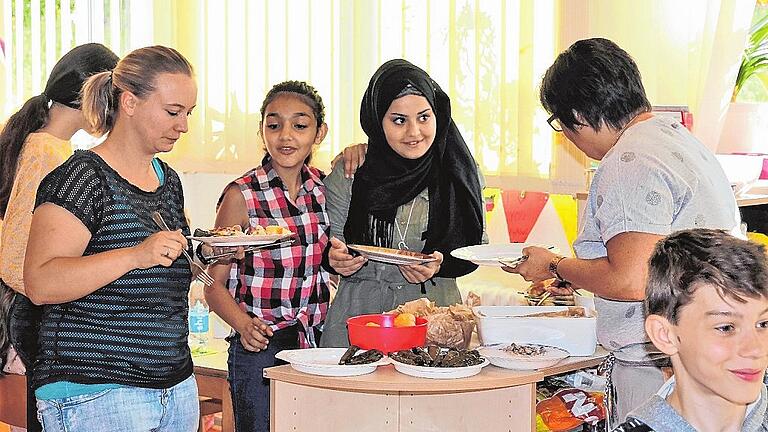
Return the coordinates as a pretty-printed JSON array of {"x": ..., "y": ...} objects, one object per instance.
[{"x": 554, "y": 123}]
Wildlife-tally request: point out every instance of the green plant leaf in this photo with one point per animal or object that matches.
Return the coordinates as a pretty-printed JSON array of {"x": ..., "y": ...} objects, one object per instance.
[{"x": 755, "y": 58}]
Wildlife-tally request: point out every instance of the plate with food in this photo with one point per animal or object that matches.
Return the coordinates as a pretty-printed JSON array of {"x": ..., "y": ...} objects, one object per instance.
[
  {"x": 390, "y": 256},
  {"x": 496, "y": 254},
  {"x": 334, "y": 361},
  {"x": 523, "y": 356},
  {"x": 438, "y": 363},
  {"x": 235, "y": 236}
]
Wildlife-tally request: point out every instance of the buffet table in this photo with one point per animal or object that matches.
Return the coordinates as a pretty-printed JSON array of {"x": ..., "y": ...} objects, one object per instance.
[{"x": 494, "y": 400}]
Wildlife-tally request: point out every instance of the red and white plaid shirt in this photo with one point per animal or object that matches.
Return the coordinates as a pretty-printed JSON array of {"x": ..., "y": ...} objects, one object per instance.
[{"x": 285, "y": 285}]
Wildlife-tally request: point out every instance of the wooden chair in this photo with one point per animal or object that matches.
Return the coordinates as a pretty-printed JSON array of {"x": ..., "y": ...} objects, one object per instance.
[{"x": 13, "y": 400}]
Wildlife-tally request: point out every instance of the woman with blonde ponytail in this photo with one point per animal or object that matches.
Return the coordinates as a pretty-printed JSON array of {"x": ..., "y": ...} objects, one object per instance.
[
  {"x": 33, "y": 142},
  {"x": 113, "y": 352}
]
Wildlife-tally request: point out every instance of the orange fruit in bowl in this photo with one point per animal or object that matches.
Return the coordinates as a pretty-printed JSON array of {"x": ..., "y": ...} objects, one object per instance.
[
  {"x": 372, "y": 324},
  {"x": 405, "y": 320}
]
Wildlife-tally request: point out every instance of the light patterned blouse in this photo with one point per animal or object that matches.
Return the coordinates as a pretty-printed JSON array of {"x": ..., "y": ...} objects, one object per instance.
[{"x": 42, "y": 153}]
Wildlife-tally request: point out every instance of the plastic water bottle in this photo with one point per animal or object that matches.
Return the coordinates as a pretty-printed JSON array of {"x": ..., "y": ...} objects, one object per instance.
[{"x": 198, "y": 316}]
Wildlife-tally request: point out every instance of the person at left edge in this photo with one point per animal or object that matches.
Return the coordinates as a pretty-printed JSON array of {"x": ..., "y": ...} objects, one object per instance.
[{"x": 34, "y": 142}]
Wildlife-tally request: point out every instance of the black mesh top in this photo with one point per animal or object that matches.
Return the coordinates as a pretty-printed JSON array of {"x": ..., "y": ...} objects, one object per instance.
[{"x": 134, "y": 330}]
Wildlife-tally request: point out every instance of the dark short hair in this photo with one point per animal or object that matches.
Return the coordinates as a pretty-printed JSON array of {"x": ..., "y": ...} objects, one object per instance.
[
  {"x": 596, "y": 79},
  {"x": 691, "y": 259}
]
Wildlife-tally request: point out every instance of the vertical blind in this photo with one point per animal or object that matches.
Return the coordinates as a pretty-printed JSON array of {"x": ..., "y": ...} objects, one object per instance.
[
  {"x": 38, "y": 32},
  {"x": 488, "y": 55}
]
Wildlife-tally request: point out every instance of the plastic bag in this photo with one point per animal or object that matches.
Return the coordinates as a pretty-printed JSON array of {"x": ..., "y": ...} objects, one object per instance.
[
  {"x": 448, "y": 327},
  {"x": 570, "y": 408}
]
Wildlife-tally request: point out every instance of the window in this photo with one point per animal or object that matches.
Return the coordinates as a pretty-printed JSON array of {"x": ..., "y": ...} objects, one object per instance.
[{"x": 36, "y": 33}]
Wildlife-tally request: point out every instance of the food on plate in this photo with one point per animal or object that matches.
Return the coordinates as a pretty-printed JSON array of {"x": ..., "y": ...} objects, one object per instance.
[
  {"x": 234, "y": 230},
  {"x": 405, "y": 320},
  {"x": 276, "y": 230},
  {"x": 372, "y": 324},
  {"x": 421, "y": 307},
  {"x": 571, "y": 312},
  {"x": 352, "y": 357},
  {"x": 525, "y": 350},
  {"x": 382, "y": 250},
  {"x": 435, "y": 356},
  {"x": 237, "y": 230},
  {"x": 551, "y": 300},
  {"x": 555, "y": 286}
]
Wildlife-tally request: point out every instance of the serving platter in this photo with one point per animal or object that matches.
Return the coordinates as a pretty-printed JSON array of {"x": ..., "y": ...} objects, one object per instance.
[
  {"x": 325, "y": 361},
  {"x": 502, "y": 358},
  {"x": 439, "y": 372},
  {"x": 494, "y": 254},
  {"x": 391, "y": 256}
]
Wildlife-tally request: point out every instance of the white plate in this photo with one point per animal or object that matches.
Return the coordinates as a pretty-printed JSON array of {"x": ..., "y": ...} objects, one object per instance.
[
  {"x": 242, "y": 240},
  {"x": 498, "y": 357},
  {"x": 438, "y": 372},
  {"x": 391, "y": 256},
  {"x": 491, "y": 254},
  {"x": 325, "y": 361}
]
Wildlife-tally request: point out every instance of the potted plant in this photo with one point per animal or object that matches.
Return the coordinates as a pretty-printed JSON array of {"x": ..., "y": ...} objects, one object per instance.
[
  {"x": 755, "y": 59},
  {"x": 747, "y": 119}
]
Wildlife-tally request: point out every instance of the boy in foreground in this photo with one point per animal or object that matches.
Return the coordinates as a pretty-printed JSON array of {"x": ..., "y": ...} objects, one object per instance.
[{"x": 707, "y": 308}]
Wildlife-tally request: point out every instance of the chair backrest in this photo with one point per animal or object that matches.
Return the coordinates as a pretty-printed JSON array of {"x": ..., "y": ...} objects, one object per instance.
[{"x": 13, "y": 400}]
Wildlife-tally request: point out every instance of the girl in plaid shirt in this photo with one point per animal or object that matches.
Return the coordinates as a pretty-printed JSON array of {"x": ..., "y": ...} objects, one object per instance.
[{"x": 274, "y": 298}]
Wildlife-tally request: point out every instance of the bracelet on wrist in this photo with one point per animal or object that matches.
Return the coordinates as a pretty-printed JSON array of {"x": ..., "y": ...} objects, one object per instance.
[
  {"x": 553, "y": 267},
  {"x": 199, "y": 254}
]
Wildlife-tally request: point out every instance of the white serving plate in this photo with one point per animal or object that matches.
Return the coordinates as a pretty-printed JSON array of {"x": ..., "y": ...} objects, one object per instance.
[
  {"x": 242, "y": 240},
  {"x": 507, "y": 324},
  {"x": 507, "y": 360},
  {"x": 492, "y": 254},
  {"x": 325, "y": 361},
  {"x": 438, "y": 372}
]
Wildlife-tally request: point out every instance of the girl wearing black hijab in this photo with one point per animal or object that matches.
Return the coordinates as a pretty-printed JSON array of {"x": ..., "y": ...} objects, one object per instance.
[{"x": 419, "y": 189}]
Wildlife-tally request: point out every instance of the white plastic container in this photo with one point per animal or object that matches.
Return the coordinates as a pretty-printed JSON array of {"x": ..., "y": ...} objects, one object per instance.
[{"x": 507, "y": 324}]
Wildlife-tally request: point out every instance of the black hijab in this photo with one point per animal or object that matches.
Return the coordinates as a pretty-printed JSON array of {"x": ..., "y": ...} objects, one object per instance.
[{"x": 387, "y": 180}]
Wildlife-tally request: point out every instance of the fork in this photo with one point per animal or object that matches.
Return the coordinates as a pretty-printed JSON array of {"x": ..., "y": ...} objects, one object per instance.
[{"x": 203, "y": 276}]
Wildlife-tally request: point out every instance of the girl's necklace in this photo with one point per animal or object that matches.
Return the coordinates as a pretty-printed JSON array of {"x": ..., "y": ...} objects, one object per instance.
[{"x": 401, "y": 244}]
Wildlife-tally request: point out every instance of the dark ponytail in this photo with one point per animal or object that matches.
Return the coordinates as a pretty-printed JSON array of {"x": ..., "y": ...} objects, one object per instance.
[
  {"x": 63, "y": 87},
  {"x": 31, "y": 117}
]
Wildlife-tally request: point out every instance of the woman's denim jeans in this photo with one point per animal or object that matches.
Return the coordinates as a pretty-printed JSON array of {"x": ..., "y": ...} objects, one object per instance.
[{"x": 125, "y": 409}]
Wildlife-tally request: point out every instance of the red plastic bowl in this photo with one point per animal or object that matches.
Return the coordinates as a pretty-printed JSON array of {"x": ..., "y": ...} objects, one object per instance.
[{"x": 386, "y": 338}]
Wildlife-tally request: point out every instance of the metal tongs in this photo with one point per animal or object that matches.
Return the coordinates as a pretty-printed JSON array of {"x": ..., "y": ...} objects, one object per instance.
[
  {"x": 249, "y": 249},
  {"x": 517, "y": 261}
]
